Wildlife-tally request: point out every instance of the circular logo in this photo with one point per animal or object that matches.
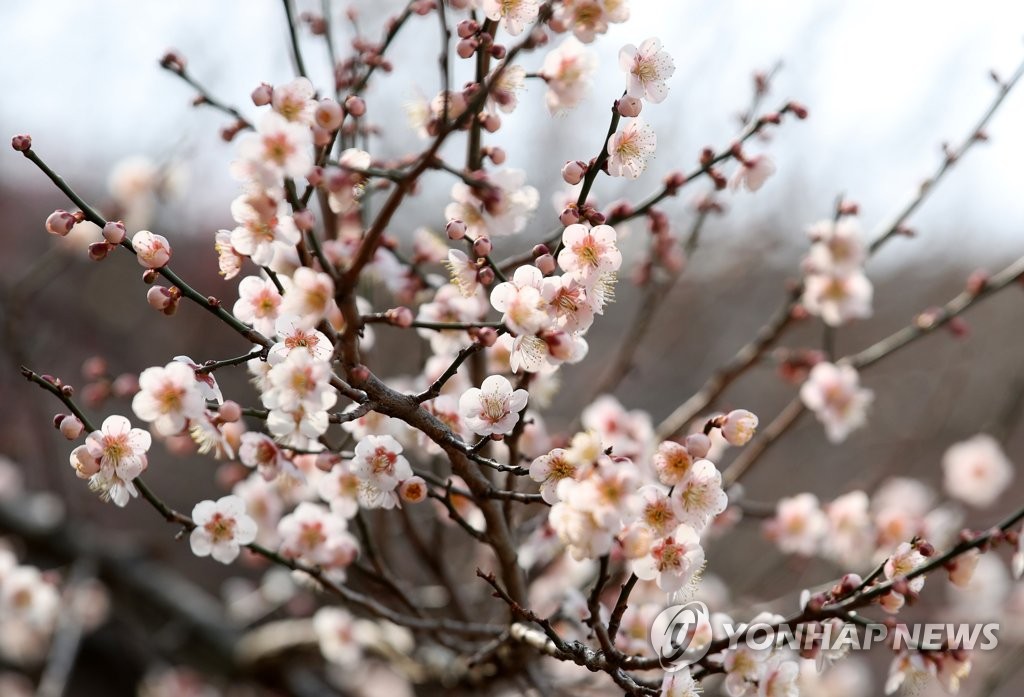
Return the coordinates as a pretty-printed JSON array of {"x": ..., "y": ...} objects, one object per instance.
[{"x": 681, "y": 635}]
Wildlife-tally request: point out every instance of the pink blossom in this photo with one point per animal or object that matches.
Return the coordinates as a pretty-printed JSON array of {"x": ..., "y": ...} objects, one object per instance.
[
  {"x": 588, "y": 18},
  {"x": 261, "y": 452},
  {"x": 380, "y": 465},
  {"x": 309, "y": 295},
  {"x": 279, "y": 147},
  {"x": 672, "y": 462},
  {"x": 294, "y": 336},
  {"x": 336, "y": 633},
  {"x": 838, "y": 299},
  {"x": 836, "y": 247},
  {"x": 976, "y": 471},
  {"x": 799, "y": 525},
  {"x": 294, "y": 100},
  {"x": 739, "y": 427},
  {"x": 905, "y": 559},
  {"x": 672, "y": 562},
  {"x": 753, "y": 173},
  {"x": 834, "y": 394},
  {"x": 300, "y": 381},
  {"x": 568, "y": 70},
  {"x": 263, "y": 227},
  {"x": 168, "y": 397},
  {"x": 648, "y": 68},
  {"x": 523, "y": 300},
  {"x": 493, "y": 408},
  {"x": 588, "y": 253},
  {"x": 120, "y": 451},
  {"x": 258, "y": 303},
  {"x": 463, "y": 272},
  {"x": 679, "y": 684},
  {"x": 515, "y": 15},
  {"x": 221, "y": 528},
  {"x": 313, "y": 535},
  {"x": 630, "y": 149},
  {"x": 504, "y": 210},
  {"x": 779, "y": 679},
  {"x": 658, "y": 511},
  {"x": 550, "y": 469},
  {"x": 698, "y": 497},
  {"x": 504, "y": 94},
  {"x": 229, "y": 261},
  {"x": 152, "y": 251}
]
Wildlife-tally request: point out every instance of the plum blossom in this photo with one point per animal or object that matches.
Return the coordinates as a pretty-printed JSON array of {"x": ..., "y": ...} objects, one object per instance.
[
  {"x": 300, "y": 428},
  {"x": 589, "y": 253},
  {"x": 294, "y": 100},
  {"x": 280, "y": 147},
  {"x": 523, "y": 300},
  {"x": 168, "y": 397},
  {"x": 834, "y": 394},
  {"x": 493, "y": 408},
  {"x": 569, "y": 305},
  {"x": 336, "y": 633},
  {"x": 300, "y": 381},
  {"x": 588, "y": 18},
  {"x": 309, "y": 295},
  {"x": 976, "y": 471},
  {"x": 738, "y": 427},
  {"x": 295, "y": 337},
  {"x": 550, "y": 469},
  {"x": 698, "y": 497},
  {"x": 26, "y": 595},
  {"x": 630, "y": 148},
  {"x": 340, "y": 489},
  {"x": 381, "y": 467},
  {"x": 752, "y": 173},
  {"x": 567, "y": 70},
  {"x": 838, "y": 299},
  {"x": 799, "y": 525},
  {"x": 672, "y": 462},
  {"x": 229, "y": 261},
  {"x": 314, "y": 535},
  {"x": 779, "y": 679},
  {"x": 345, "y": 186},
  {"x": 463, "y": 272},
  {"x": 836, "y": 247},
  {"x": 673, "y": 561},
  {"x": 151, "y": 250},
  {"x": 679, "y": 684},
  {"x": 264, "y": 227},
  {"x": 648, "y": 68},
  {"x": 658, "y": 512},
  {"x": 262, "y": 453},
  {"x": 905, "y": 559},
  {"x": 504, "y": 209},
  {"x": 504, "y": 94},
  {"x": 449, "y": 305},
  {"x": 514, "y": 15},
  {"x": 258, "y": 303},
  {"x": 118, "y": 452},
  {"x": 221, "y": 528}
]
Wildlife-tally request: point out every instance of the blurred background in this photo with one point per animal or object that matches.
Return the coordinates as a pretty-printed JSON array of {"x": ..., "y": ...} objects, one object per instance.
[{"x": 886, "y": 84}]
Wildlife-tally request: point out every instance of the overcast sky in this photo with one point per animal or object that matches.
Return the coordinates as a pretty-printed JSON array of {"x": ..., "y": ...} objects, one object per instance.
[{"x": 886, "y": 82}]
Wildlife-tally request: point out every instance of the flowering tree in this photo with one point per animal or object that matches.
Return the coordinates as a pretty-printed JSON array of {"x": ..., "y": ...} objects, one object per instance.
[{"x": 569, "y": 544}]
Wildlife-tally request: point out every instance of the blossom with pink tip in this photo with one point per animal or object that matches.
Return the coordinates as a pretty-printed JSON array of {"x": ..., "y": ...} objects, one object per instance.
[
  {"x": 658, "y": 511},
  {"x": 293, "y": 336},
  {"x": 493, "y": 408},
  {"x": 699, "y": 497},
  {"x": 672, "y": 462},
  {"x": 523, "y": 300},
  {"x": 976, "y": 470},
  {"x": 300, "y": 381},
  {"x": 120, "y": 451},
  {"x": 264, "y": 227},
  {"x": 630, "y": 148},
  {"x": 836, "y": 247},
  {"x": 550, "y": 469},
  {"x": 504, "y": 94},
  {"x": 588, "y": 18},
  {"x": 834, "y": 394},
  {"x": 799, "y": 525},
  {"x": 336, "y": 634},
  {"x": 294, "y": 100},
  {"x": 381, "y": 467},
  {"x": 168, "y": 397},
  {"x": 905, "y": 559},
  {"x": 567, "y": 70},
  {"x": 588, "y": 253},
  {"x": 229, "y": 261},
  {"x": 504, "y": 209},
  {"x": 753, "y": 173},
  {"x": 258, "y": 304},
  {"x": 222, "y": 527},
  {"x": 739, "y": 426},
  {"x": 514, "y": 15},
  {"x": 838, "y": 298},
  {"x": 309, "y": 295},
  {"x": 569, "y": 304},
  {"x": 259, "y": 451},
  {"x": 279, "y": 147},
  {"x": 314, "y": 535},
  {"x": 648, "y": 68},
  {"x": 673, "y": 561},
  {"x": 152, "y": 251}
]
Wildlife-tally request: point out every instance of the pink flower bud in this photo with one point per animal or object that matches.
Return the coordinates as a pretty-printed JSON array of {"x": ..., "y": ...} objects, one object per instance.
[
  {"x": 315, "y": 176},
  {"x": 539, "y": 250},
  {"x": 573, "y": 172},
  {"x": 159, "y": 298},
  {"x": 60, "y": 223},
  {"x": 546, "y": 264},
  {"x": 560, "y": 344},
  {"x": 674, "y": 181},
  {"x": 321, "y": 137},
  {"x": 355, "y": 105},
  {"x": 125, "y": 385},
  {"x": 94, "y": 368},
  {"x": 466, "y": 47},
  {"x": 304, "y": 219},
  {"x": 154, "y": 251},
  {"x": 698, "y": 445},
  {"x": 466, "y": 28},
  {"x": 485, "y": 276},
  {"x": 492, "y": 122},
  {"x": 569, "y": 216},
  {"x": 22, "y": 142},
  {"x": 263, "y": 94},
  {"x": 326, "y": 461},
  {"x": 739, "y": 427},
  {"x": 114, "y": 232},
  {"x": 413, "y": 490},
  {"x": 229, "y": 411},
  {"x": 497, "y": 51},
  {"x": 482, "y": 247},
  {"x": 400, "y": 317},
  {"x": 456, "y": 229},
  {"x": 497, "y": 155},
  {"x": 98, "y": 251},
  {"x": 359, "y": 373},
  {"x": 328, "y": 114},
  {"x": 629, "y": 107},
  {"x": 85, "y": 464},
  {"x": 71, "y": 427},
  {"x": 487, "y": 336}
]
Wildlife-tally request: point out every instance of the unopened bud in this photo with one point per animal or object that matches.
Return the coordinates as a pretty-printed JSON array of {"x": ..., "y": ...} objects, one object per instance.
[
  {"x": 698, "y": 445},
  {"x": 413, "y": 490},
  {"x": 229, "y": 411},
  {"x": 22, "y": 142},
  {"x": 569, "y": 216},
  {"x": 485, "y": 276},
  {"x": 60, "y": 223},
  {"x": 456, "y": 229},
  {"x": 482, "y": 246},
  {"x": 355, "y": 105},
  {"x": 466, "y": 28},
  {"x": 487, "y": 336},
  {"x": 573, "y": 172},
  {"x": 629, "y": 107},
  {"x": 400, "y": 317},
  {"x": 114, "y": 232},
  {"x": 263, "y": 94},
  {"x": 98, "y": 251},
  {"x": 359, "y": 373},
  {"x": 466, "y": 47}
]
